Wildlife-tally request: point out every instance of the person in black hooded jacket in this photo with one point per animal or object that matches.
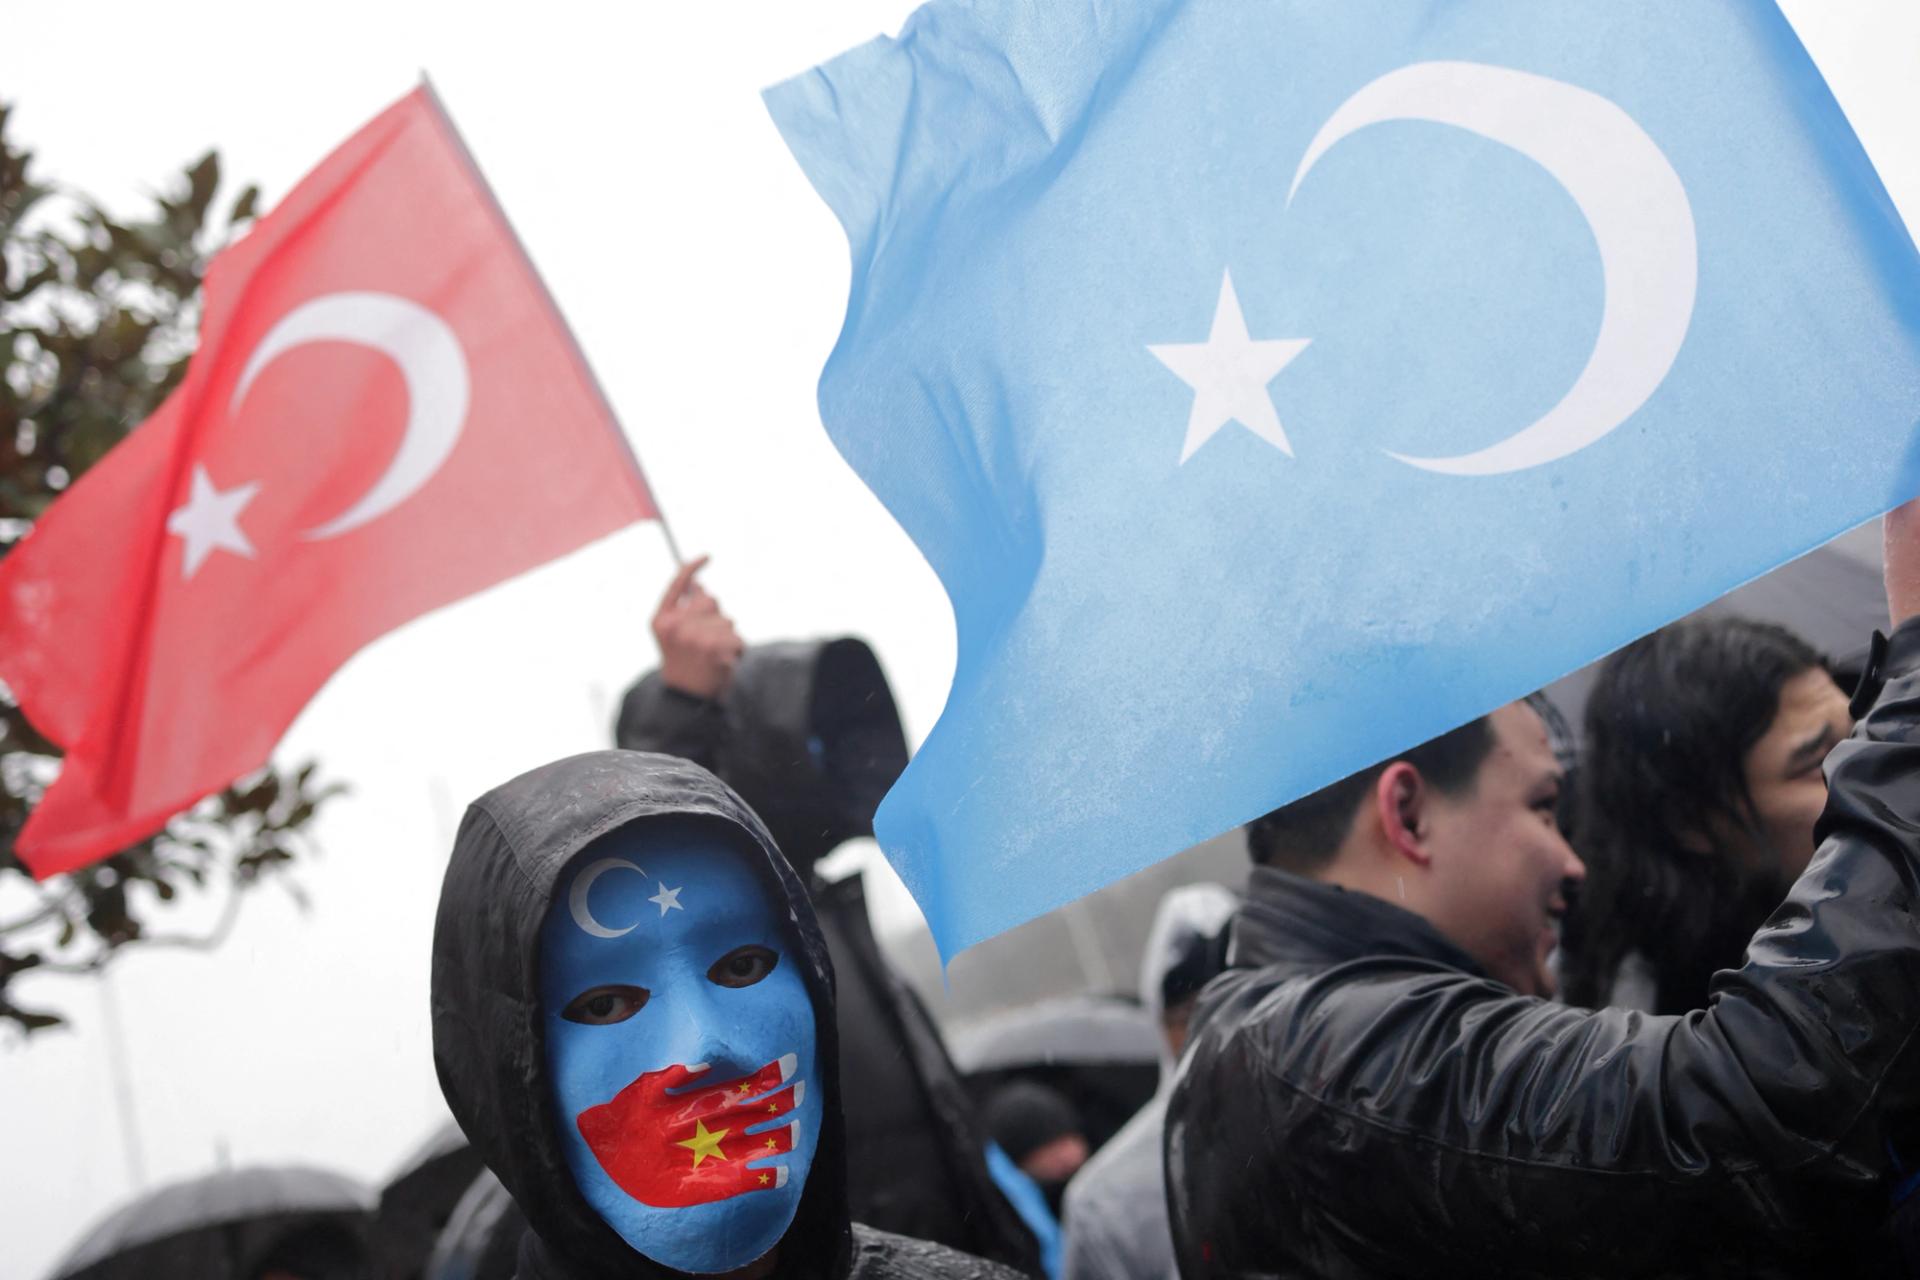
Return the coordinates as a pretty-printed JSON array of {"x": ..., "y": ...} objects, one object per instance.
[
  {"x": 807, "y": 732},
  {"x": 515, "y": 1046}
]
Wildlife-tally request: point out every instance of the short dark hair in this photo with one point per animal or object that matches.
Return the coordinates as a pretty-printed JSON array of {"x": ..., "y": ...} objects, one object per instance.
[{"x": 1302, "y": 837}]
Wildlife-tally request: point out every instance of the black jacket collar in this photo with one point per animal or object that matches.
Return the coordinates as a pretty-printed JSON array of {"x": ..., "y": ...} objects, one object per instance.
[{"x": 1292, "y": 921}]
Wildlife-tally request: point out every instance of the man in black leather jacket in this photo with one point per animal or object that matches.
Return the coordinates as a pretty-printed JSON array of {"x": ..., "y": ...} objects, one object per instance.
[{"x": 1378, "y": 1090}]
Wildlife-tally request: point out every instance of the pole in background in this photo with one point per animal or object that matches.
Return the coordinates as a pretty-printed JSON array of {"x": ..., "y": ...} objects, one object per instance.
[{"x": 122, "y": 1083}]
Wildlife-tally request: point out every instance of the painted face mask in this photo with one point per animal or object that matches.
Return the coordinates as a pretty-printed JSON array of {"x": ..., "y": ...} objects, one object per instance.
[{"x": 680, "y": 1044}]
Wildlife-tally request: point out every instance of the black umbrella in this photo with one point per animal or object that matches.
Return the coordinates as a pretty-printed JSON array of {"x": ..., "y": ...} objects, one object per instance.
[
  {"x": 1073, "y": 1030},
  {"x": 1102, "y": 1052},
  {"x": 227, "y": 1226}
]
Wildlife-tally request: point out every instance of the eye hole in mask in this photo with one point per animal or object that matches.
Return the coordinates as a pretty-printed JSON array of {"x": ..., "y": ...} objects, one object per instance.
[
  {"x": 606, "y": 1005},
  {"x": 743, "y": 966}
]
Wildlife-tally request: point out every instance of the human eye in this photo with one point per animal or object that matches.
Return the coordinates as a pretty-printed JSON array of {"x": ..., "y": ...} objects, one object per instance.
[
  {"x": 743, "y": 966},
  {"x": 603, "y": 1006}
]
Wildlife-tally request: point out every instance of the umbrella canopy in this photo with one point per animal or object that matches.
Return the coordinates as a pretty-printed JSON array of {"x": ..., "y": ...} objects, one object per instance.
[
  {"x": 1102, "y": 1052},
  {"x": 219, "y": 1226},
  {"x": 1070, "y": 1031}
]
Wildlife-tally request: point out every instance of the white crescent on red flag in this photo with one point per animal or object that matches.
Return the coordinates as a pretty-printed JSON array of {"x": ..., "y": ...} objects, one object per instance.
[{"x": 386, "y": 413}]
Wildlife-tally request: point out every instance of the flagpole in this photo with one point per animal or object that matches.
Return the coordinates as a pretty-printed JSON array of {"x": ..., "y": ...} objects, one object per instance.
[
  {"x": 130, "y": 1144},
  {"x": 579, "y": 353}
]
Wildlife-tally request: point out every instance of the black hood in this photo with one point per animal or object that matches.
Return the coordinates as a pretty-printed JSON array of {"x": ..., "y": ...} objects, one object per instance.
[{"x": 488, "y": 1046}]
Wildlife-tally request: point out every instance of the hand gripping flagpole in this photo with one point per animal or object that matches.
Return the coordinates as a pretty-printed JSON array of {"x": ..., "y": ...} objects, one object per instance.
[{"x": 579, "y": 355}]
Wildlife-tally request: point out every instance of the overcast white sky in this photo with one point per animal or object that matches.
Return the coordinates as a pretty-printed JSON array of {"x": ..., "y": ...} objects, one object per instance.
[{"x": 707, "y": 284}]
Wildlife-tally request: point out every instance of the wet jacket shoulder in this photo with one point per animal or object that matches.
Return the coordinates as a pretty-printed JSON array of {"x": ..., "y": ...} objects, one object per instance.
[
  {"x": 880, "y": 1255},
  {"x": 807, "y": 732},
  {"x": 1359, "y": 1100},
  {"x": 656, "y": 717}
]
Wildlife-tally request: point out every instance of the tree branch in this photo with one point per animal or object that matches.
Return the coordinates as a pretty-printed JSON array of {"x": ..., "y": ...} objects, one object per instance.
[
  {"x": 229, "y": 913},
  {"x": 51, "y": 907}
]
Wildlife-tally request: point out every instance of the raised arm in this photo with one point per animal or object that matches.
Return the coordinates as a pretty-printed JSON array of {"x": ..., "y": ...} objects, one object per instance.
[{"x": 676, "y": 710}]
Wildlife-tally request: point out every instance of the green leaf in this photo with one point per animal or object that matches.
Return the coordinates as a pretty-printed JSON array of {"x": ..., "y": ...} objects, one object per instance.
[
  {"x": 29, "y": 1020},
  {"x": 243, "y": 207},
  {"x": 203, "y": 179}
]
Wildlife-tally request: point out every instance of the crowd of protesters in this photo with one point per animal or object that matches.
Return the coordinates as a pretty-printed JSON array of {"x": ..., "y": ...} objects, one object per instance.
[{"x": 1638, "y": 1003}]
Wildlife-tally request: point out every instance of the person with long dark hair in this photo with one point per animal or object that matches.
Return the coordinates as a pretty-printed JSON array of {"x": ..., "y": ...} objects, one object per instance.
[{"x": 1698, "y": 788}]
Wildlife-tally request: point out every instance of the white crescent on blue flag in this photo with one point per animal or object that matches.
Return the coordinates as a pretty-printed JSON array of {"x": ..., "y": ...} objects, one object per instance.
[{"x": 1276, "y": 385}]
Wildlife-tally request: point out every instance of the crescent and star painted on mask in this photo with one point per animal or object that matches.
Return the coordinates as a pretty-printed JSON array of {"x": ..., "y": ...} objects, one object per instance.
[
  {"x": 670, "y": 1146},
  {"x": 667, "y": 899}
]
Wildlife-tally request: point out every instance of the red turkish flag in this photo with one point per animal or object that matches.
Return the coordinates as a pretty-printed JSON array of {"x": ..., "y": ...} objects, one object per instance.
[{"x": 386, "y": 413}]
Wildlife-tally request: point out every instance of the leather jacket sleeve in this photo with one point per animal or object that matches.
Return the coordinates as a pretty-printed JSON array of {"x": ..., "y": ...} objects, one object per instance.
[{"x": 1420, "y": 1121}]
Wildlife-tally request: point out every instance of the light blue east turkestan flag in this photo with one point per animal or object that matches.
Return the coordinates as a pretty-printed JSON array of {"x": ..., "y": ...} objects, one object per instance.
[{"x": 1274, "y": 385}]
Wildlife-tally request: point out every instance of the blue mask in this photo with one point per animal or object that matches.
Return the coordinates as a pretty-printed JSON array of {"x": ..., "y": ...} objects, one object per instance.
[{"x": 680, "y": 1045}]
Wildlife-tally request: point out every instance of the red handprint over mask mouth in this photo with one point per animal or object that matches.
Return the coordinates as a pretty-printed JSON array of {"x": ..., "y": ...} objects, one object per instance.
[{"x": 672, "y": 1150}]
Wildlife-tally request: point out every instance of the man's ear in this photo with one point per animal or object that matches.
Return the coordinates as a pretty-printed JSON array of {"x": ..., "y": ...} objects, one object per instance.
[{"x": 1401, "y": 800}]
